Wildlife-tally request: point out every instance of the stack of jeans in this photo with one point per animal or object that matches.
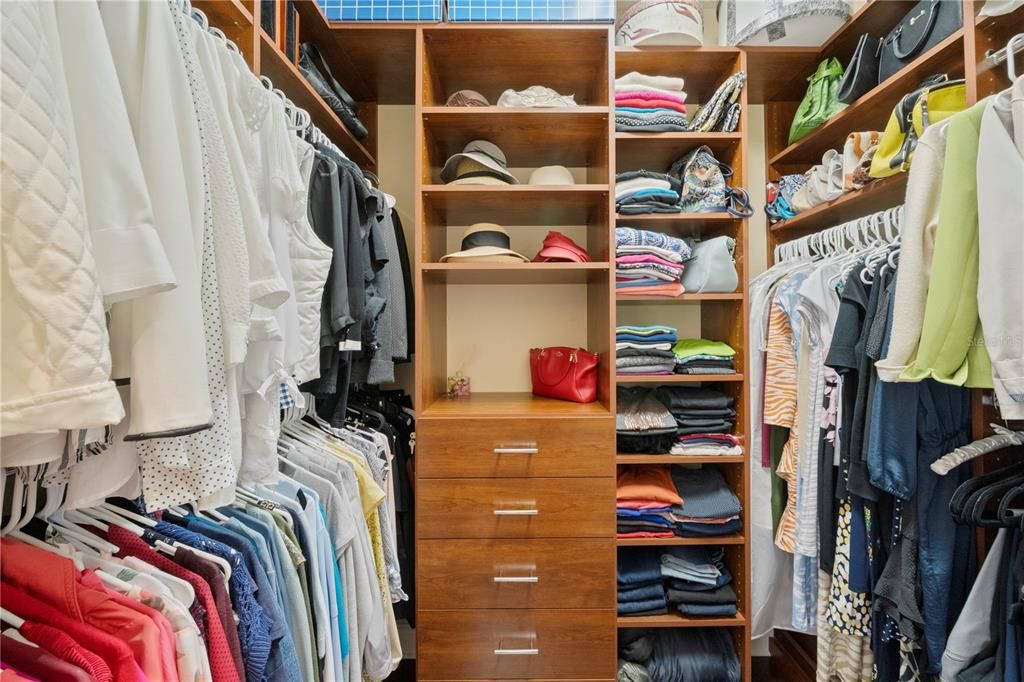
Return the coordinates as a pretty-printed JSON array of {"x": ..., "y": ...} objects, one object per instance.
[
  {"x": 641, "y": 588},
  {"x": 698, "y": 409},
  {"x": 699, "y": 582},
  {"x": 649, "y": 263},
  {"x": 678, "y": 655},
  {"x": 642, "y": 423},
  {"x": 709, "y": 507},
  {"x": 643, "y": 191},
  {"x": 644, "y": 350},
  {"x": 701, "y": 356}
]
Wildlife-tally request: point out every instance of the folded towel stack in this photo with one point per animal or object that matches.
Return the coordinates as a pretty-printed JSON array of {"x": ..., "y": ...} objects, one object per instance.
[
  {"x": 701, "y": 356},
  {"x": 649, "y": 263},
  {"x": 693, "y": 580},
  {"x": 644, "y": 349},
  {"x": 650, "y": 104}
]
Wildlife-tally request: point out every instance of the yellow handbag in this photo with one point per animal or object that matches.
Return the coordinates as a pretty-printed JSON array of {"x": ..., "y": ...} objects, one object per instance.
[{"x": 914, "y": 113}]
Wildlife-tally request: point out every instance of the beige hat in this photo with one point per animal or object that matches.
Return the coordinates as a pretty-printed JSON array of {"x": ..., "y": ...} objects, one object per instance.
[
  {"x": 471, "y": 172},
  {"x": 485, "y": 243},
  {"x": 467, "y": 98},
  {"x": 552, "y": 175},
  {"x": 488, "y": 156}
]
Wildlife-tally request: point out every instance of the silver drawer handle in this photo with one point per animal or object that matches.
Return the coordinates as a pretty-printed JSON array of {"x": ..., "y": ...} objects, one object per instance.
[
  {"x": 525, "y": 450},
  {"x": 516, "y": 512},
  {"x": 517, "y": 652},
  {"x": 516, "y": 579}
]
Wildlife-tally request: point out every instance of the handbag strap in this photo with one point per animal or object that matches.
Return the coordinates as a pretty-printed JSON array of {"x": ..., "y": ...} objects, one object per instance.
[
  {"x": 738, "y": 203},
  {"x": 313, "y": 53},
  {"x": 903, "y": 54}
]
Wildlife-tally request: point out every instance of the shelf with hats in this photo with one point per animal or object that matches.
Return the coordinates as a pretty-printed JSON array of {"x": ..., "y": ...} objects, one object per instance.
[{"x": 522, "y": 204}]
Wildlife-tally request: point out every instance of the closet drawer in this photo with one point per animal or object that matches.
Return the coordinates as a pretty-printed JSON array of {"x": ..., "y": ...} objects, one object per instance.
[
  {"x": 486, "y": 448},
  {"x": 516, "y": 574},
  {"x": 523, "y": 644},
  {"x": 515, "y": 508}
]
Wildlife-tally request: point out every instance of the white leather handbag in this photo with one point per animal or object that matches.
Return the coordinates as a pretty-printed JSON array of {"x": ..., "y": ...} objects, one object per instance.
[{"x": 781, "y": 22}]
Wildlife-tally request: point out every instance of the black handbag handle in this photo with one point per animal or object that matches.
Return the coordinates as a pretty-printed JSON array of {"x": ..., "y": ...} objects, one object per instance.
[
  {"x": 903, "y": 54},
  {"x": 312, "y": 52}
]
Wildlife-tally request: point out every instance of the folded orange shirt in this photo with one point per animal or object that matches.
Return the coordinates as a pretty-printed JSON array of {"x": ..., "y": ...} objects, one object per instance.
[
  {"x": 648, "y": 482},
  {"x": 668, "y": 289}
]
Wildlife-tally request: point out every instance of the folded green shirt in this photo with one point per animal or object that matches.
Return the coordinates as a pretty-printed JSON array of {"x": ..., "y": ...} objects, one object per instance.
[{"x": 684, "y": 348}]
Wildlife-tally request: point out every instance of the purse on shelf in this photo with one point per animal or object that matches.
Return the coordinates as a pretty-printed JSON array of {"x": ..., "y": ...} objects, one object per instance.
[
  {"x": 704, "y": 186},
  {"x": 819, "y": 103},
  {"x": 564, "y": 373},
  {"x": 712, "y": 270},
  {"x": 925, "y": 26},
  {"x": 824, "y": 183},
  {"x": 329, "y": 89},
  {"x": 938, "y": 99},
  {"x": 862, "y": 71}
]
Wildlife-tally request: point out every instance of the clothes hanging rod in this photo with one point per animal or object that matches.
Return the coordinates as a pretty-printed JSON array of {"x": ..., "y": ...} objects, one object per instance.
[{"x": 997, "y": 57}]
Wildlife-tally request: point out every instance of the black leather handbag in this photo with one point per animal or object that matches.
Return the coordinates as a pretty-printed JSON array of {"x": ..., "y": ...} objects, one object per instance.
[
  {"x": 862, "y": 73},
  {"x": 924, "y": 27},
  {"x": 310, "y": 63}
]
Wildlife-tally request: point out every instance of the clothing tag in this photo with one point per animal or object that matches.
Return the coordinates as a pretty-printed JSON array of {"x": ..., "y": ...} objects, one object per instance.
[{"x": 350, "y": 345}]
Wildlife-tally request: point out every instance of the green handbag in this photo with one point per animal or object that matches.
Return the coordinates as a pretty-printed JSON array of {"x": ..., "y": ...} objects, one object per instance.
[{"x": 821, "y": 102}]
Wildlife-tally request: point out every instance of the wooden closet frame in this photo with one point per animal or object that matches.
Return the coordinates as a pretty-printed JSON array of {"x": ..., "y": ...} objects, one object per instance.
[
  {"x": 960, "y": 55},
  {"x": 406, "y": 63}
]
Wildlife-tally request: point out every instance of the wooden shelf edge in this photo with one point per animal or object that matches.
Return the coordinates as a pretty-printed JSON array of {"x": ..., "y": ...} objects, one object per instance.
[
  {"x": 840, "y": 121},
  {"x": 689, "y": 135},
  {"x": 676, "y": 378},
  {"x": 810, "y": 219},
  {"x": 678, "y": 620},
  {"x": 680, "y": 217},
  {"x": 306, "y": 95},
  {"x": 469, "y": 112},
  {"x": 625, "y": 458},
  {"x": 736, "y": 539},
  {"x": 514, "y": 189},
  {"x": 685, "y": 298}
]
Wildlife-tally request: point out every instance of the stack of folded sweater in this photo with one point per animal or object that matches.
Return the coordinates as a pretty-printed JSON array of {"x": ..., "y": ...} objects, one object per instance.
[
  {"x": 701, "y": 356},
  {"x": 678, "y": 655},
  {"x": 698, "y": 410},
  {"x": 709, "y": 507},
  {"x": 650, "y": 104},
  {"x": 641, "y": 587},
  {"x": 644, "y": 498},
  {"x": 649, "y": 263},
  {"x": 698, "y": 583},
  {"x": 644, "y": 350},
  {"x": 642, "y": 423},
  {"x": 707, "y": 444},
  {"x": 642, "y": 191}
]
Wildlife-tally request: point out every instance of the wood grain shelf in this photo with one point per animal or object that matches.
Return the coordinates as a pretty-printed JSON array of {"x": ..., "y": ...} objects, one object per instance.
[
  {"x": 625, "y": 458},
  {"x": 286, "y": 76},
  {"x": 517, "y": 204},
  {"x": 510, "y": 405},
  {"x": 681, "y": 223},
  {"x": 658, "y": 151},
  {"x": 735, "y": 539},
  {"x": 769, "y": 68},
  {"x": 872, "y": 110},
  {"x": 676, "y": 378},
  {"x": 678, "y": 620},
  {"x": 685, "y": 298},
  {"x": 879, "y": 195},
  {"x": 516, "y": 273}
]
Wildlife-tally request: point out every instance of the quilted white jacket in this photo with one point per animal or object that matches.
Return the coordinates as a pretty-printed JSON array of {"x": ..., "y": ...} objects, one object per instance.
[{"x": 55, "y": 357}]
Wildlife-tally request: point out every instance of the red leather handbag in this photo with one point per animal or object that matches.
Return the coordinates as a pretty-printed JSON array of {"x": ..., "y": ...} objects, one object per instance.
[{"x": 564, "y": 373}]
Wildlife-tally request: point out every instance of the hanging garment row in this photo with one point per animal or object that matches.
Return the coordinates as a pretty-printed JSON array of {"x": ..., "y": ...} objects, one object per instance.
[
  {"x": 236, "y": 259},
  {"x": 867, "y": 339}
]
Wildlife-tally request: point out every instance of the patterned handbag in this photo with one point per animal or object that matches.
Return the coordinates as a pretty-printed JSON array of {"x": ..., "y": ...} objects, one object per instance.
[{"x": 704, "y": 186}]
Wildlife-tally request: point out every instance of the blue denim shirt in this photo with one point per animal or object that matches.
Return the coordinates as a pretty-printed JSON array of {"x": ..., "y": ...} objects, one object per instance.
[
  {"x": 283, "y": 664},
  {"x": 254, "y": 626}
]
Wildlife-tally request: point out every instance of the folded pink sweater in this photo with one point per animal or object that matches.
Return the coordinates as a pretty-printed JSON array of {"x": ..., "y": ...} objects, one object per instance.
[
  {"x": 640, "y": 103},
  {"x": 647, "y": 94}
]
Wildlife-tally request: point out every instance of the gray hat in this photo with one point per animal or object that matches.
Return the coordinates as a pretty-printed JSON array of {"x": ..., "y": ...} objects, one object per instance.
[{"x": 486, "y": 154}]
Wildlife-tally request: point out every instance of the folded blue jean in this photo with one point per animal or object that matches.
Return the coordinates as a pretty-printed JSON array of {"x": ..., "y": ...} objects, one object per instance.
[
  {"x": 638, "y": 566},
  {"x": 705, "y": 492},
  {"x": 646, "y": 518},
  {"x": 644, "y": 607},
  {"x": 642, "y": 592},
  {"x": 689, "y": 529},
  {"x": 624, "y": 513},
  {"x": 707, "y": 609},
  {"x": 691, "y": 586}
]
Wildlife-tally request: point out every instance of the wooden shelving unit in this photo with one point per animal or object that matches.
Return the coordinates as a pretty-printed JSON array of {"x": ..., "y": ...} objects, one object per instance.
[
  {"x": 680, "y": 542},
  {"x": 878, "y": 195},
  {"x": 685, "y": 298},
  {"x": 678, "y": 620}
]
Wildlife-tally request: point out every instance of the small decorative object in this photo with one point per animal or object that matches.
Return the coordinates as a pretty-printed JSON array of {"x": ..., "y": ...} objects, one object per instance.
[{"x": 458, "y": 386}]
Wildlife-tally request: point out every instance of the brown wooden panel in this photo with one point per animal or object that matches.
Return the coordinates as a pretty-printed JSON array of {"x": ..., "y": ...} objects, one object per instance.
[
  {"x": 565, "y": 507},
  {"x": 499, "y": 574},
  {"x": 471, "y": 448},
  {"x": 460, "y": 645}
]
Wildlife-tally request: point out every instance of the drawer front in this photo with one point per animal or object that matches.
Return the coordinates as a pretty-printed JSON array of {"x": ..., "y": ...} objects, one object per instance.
[
  {"x": 515, "y": 508},
  {"x": 516, "y": 574},
  {"x": 486, "y": 448},
  {"x": 515, "y": 644}
]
